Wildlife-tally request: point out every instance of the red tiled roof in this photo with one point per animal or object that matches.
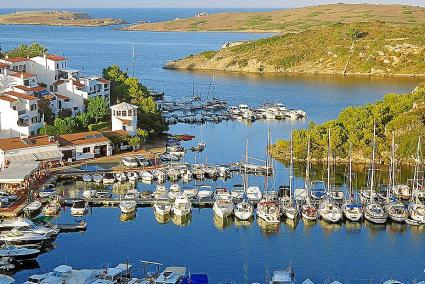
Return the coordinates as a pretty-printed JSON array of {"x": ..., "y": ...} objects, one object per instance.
[
  {"x": 18, "y": 143},
  {"x": 8, "y": 99},
  {"x": 3, "y": 65},
  {"x": 23, "y": 88},
  {"x": 78, "y": 84},
  {"x": 104, "y": 81},
  {"x": 55, "y": 57},
  {"x": 62, "y": 97},
  {"x": 23, "y": 74},
  {"x": 38, "y": 89},
  {"x": 16, "y": 59},
  {"x": 58, "y": 82},
  {"x": 82, "y": 138},
  {"x": 20, "y": 95}
]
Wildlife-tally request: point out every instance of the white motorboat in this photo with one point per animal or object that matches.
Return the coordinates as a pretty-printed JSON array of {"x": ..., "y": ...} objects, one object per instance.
[
  {"x": 160, "y": 192},
  {"x": 159, "y": 175},
  {"x": 132, "y": 176},
  {"x": 269, "y": 211},
  {"x": 330, "y": 212},
  {"x": 205, "y": 192},
  {"x": 162, "y": 209},
  {"x": 87, "y": 178},
  {"x": 146, "y": 176},
  {"x": 223, "y": 208},
  {"x": 108, "y": 178},
  {"x": 253, "y": 193},
  {"x": 375, "y": 213},
  {"x": 79, "y": 208},
  {"x": 352, "y": 211},
  {"x": 16, "y": 237},
  {"x": 174, "y": 191},
  {"x": 33, "y": 207},
  {"x": 417, "y": 212},
  {"x": 120, "y": 177},
  {"x": 49, "y": 232},
  {"x": 397, "y": 212},
  {"x": 128, "y": 205},
  {"x": 244, "y": 211},
  {"x": 18, "y": 253},
  {"x": 52, "y": 208},
  {"x": 89, "y": 193},
  {"x": 48, "y": 190},
  {"x": 97, "y": 178},
  {"x": 238, "y": 192},
  {"x": 9, "y": 224},
  {"x": 286, "y": 276},
  {"x": 190, "y": 192},
  {"x": 401, "y": 191},
  {"x": 182, "y": 206}
]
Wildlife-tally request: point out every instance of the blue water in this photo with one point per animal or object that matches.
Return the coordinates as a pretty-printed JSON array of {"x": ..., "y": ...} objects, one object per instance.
[{"x": 359, "y": 253}]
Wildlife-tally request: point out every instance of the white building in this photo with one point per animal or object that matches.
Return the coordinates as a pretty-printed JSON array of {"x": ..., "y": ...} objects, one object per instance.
[
  {"x": 84, "y": 145},
  {"x": 124, "y": 117},
  {"x": 19, "y": 114}
]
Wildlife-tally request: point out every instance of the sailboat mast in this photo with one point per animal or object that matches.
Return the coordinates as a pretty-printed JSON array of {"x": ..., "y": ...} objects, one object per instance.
[
  {"x": 307, "y": 169},
  {"x": 246, "y": 162},
  {"x": 372, "y": 176},
  {"x": 329, "y": 162},
  {"x": 350, "y": 169},
  {"x": 267, "y": 161},
  {"x": 291, "y": 170}
]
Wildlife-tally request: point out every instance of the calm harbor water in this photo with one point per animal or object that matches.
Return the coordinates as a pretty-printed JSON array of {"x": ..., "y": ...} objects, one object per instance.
[{"x": 238, "y": 253}]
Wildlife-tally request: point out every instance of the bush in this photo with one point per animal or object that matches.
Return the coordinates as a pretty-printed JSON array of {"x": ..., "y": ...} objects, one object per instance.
[{"x": 99, "y": 126}]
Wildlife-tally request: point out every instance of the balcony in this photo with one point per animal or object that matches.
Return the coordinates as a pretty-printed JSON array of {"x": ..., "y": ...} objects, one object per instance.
[{"x": 22, "y": 112}]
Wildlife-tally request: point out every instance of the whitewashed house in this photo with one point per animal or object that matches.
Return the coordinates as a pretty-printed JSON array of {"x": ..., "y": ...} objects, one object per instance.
[
  {"x": 84, "y": 145},
  {"x": 124, "y": 117}
]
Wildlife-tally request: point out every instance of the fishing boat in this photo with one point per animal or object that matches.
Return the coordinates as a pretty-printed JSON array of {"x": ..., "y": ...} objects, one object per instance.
[
  {"x": 374, "y": 212},
  {"x": 205, "y": 192},
  {"x": 86, "y": 178},
  {"x": 79, "y": 208},
  {"x": 182, "y": 206},
  {"x": 97, "y": 178},
  {"x": 52, "y": 208},
  {"x": 33, "y": 207},
  {"x": 353, "y": 211},
  {"x": 18, "y": 253},
  {"x": 127, "y": 206}
]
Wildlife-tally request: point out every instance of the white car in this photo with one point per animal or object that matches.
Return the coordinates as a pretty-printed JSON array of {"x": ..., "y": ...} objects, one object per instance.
[{"x": 130, "y": 162}]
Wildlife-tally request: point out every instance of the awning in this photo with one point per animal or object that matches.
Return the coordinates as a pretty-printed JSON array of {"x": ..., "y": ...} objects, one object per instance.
[
  {"x": 50, "y": 155},
  {"x": 17, "y": 172},
  {"x": 21, "y": 158}
]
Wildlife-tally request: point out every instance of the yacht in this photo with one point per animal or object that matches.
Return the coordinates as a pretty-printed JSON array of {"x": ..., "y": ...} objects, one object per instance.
[
  {"x": 174, "y": 191},
  {"x": 182, "y": 206},
  {"x": 330, "y": 212},
  {"x": 397, "y": 212},
  {"x": 128, "y": 205},
  {"x": 253, "y": 193},
  {"x": 33, "y": 207},
  {"x": 38, "y": 229},
  {"x": 52, "y": 208},
  {"x": 15, "y": 237},
  {"x": 160, "y": 192},
  {"x": 18, "y": 253},
  {"x": 190, "y": 193},
  {"x": 223, "y": 205},
  {"x": 205, "y": 192},
  {"x": 286, "y": 276},
  {"x": 162, "y": 209},
  {"x": 269, "y": 211},
  {"x": 9, "y": 224},
  {"x": 244, "y": 211},
  {"x": 79, "y": 208}
]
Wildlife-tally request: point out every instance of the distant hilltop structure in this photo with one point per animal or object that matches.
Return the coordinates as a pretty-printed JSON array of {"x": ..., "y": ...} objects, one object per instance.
[
  {"x": 201, "y": 14},
  {"x": 228, "y": 44}
]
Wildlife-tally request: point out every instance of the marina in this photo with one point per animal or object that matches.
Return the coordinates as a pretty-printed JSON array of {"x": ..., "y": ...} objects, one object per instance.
[{"x": 96, "y": 233}]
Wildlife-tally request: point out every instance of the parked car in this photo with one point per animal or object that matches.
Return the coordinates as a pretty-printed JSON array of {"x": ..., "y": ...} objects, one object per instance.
[
  {"x": 130, "y": 162},
  {"x": 143, "y": 162},
  {"x": 10, "y": 197}
]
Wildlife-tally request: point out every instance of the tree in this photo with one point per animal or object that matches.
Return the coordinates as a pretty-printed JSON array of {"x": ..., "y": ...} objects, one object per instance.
[
  {"x": 65, "y": 125},
  {"x": 134, "y": 141},
  {"x": 143, "y": 134},
  {"x": 45, "y": 109},
  {"x": 24, "y": 50},
  {"x": 49, "y": 130},
  {"x": 97, "y": 108},
  {"x": 83, "y": 120}
]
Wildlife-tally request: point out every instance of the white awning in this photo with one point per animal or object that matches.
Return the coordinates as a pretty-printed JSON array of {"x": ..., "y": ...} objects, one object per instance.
[
  {"x": 17, "y": 172},
  {"x": 21, "y": 158},
  {"x": 50, "y": 155}
]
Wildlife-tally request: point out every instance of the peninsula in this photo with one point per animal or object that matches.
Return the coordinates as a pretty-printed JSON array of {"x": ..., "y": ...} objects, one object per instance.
[
  {"x": 290, "y": 20},
  {"x": 56, "y": 18}
]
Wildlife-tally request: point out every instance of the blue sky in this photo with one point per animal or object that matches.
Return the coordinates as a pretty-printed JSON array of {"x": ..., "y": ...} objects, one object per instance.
[{"x": 185, "y": 3}]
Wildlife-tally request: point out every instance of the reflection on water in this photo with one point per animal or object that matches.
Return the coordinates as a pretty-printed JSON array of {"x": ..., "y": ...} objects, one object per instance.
[
  {"x": 328, "y": 227},
  {"x": 124, "y": 217},
  {"x": 182, "y": 221},
  {"x": 222, "y": 223},
  {"x": 162, "y": 218},
  {"x": 268, "y": 228},
  {"x": 243, "y": 223}
]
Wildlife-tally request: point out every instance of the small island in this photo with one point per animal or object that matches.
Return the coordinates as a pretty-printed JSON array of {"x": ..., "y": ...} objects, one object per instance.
[{"x": 56, "y": 18}]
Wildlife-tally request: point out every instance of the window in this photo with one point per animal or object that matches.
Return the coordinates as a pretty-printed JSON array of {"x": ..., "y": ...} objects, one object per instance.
[
  {"x": 51, "y": 88},
  {"x": 26, "y": 82},
  {"x": 34, "y": 119},
  {"x": 113, "y": 112},
  {"x": 86, "y": 150},
  {"x": 118, "y": 113},
  {"x": 14, "y": 107},
  {"x": 57, "y": 66},
  {"x": 33, "y": 107},
  {"x": 124, "y": 113}
]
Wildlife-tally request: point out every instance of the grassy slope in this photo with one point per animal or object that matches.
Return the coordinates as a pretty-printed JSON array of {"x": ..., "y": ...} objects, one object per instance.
[
  {"x": 403, "y": 115},
  {"x": 383, "y": 49},
  {"x": 292, "y": 20},
  {"x": 55, "y": 18}
]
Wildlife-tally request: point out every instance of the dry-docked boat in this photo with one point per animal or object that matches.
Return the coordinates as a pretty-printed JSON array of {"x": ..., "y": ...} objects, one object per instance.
[
  {"x": 182, "y": 206},
  {"x": 159, "y": 175},
  {"x": 86, "y": 178},
  {"x": 132, "y": 176},
  {"x": 108, "y": 178},
  {"x": 97, "y": 178},
  {"x": 48, "y": 190},
  {"x": 120, "y": 177},
  {"x": 89, "y": 193},
  {"x": 146, "y": 176}
]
